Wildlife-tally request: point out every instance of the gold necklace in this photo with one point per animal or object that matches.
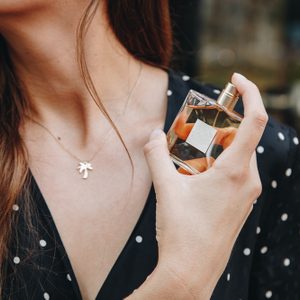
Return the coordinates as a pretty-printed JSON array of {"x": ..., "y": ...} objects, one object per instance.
[{"x": 84, "y": 166}]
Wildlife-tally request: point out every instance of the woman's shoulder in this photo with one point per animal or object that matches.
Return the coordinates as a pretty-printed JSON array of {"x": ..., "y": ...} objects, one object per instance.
[{"x": 278, "y": 147}]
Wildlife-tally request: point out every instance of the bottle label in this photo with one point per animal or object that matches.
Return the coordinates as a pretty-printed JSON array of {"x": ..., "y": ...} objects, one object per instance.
[{"x": 201, "y": 136}]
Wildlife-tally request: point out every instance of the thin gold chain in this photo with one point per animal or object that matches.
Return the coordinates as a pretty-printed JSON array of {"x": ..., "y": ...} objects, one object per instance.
[{"x": 58, "y": 139}]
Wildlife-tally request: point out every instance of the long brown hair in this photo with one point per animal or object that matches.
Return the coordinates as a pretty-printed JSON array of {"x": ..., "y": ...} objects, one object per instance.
[{"x": 142, "y": 26}]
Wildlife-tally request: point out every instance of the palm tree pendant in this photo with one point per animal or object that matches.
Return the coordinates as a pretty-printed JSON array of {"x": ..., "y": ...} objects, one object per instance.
[{"x": 84, "y": 167}]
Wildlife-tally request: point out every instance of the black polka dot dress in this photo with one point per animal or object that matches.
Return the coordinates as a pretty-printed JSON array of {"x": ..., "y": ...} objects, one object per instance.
[{"x": 265, "y": 261}]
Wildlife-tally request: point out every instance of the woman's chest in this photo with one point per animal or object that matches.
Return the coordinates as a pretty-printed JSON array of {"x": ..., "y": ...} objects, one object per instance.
[{"x": 95, "y": 216}]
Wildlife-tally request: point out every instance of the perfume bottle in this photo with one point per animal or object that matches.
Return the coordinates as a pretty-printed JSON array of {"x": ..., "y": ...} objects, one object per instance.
[{"x": 203, "y": 129}]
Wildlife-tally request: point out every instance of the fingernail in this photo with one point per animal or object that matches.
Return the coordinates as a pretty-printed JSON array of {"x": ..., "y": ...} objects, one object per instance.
[
  {"x": 155, "y": 133},
  {"x": 239, "y": 76}
]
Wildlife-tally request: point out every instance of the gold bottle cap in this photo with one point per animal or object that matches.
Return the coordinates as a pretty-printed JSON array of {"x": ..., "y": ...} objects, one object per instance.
[{"x": 229, "y": 96}]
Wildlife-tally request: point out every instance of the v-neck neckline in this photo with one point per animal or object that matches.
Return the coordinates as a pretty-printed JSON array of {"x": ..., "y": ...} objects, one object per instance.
[{"x": 42, "y": 204}]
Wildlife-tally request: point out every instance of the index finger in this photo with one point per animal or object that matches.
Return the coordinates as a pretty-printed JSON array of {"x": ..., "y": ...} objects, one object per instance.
[{"x": 254, "y": 122}]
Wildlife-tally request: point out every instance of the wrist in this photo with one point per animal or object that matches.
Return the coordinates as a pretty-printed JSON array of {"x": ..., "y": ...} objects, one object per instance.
[
  {"x": 164, "y": 284},
  {"x": 185, "y": 282},
  {"x": 158, "y": 285}
]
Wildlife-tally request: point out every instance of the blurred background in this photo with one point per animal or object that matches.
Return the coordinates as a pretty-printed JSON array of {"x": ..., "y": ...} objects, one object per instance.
[{"x": 258, "y": 38}]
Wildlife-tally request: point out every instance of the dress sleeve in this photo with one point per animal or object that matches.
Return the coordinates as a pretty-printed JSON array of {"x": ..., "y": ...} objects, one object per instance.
[{"x": 275, "y": 272}]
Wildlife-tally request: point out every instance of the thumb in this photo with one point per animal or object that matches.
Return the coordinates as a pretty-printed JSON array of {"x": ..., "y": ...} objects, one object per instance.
[{"x": 157, "y": 155}]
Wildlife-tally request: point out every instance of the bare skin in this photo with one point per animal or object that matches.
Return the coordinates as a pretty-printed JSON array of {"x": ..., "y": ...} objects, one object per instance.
[
  {"x": 95, "y": 217},
  {"x": 47, "y": 64}
]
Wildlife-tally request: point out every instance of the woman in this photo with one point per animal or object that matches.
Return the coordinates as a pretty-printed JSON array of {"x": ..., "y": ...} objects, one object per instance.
[{"x": 76, "y": 112}]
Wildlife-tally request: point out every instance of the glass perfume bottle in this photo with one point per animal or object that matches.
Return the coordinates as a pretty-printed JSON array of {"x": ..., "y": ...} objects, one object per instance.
[{"x": 203, "y": 129}]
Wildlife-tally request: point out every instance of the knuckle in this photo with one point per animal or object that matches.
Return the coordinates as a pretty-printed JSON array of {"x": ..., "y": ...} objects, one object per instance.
[
  {"x": 260, "y": 118},
  {"x": 239, "y": 173},
  {"x": 257, "y": 188},
  {"x": 152, "y": 146}
]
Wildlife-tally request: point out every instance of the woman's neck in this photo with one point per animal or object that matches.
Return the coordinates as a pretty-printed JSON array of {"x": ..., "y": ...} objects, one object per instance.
[{"x": 43, "y": 49}]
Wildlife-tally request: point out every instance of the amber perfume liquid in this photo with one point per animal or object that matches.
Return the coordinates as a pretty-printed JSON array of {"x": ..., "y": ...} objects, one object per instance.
[{"x": 202, "y": 130}]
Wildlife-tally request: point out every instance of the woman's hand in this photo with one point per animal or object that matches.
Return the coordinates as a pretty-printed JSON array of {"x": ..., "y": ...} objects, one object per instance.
[{"x": 199, "y": 217}]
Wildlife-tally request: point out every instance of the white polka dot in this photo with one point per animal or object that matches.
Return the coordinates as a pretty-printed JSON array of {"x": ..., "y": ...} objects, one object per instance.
[
  {"x": 46, "y": 296},
  {"x": 281, "y": 136},
  {"x": 284, "y": 217},
  {"x": 15, "y": 207},
  {"x": 138, "y": 239},
  {"x": 260, "y": 149},
  {"x": 69, "y": 277},
  {"x": 247, "y": 251},
  {"x": 16, "y": 260},
  {"x": 264, "y": 250},
  {"x": 228, "y": 277},
  {"x": 258, "y": 230},
  {"x": 185, "y": 77},
  {"x": 286, "y": 262},
  {"x": 169, "y": 92},
  {"x": 268, "y": 294},
  {"x": 274, "y": 184},
  {"x": 217, "y": 91},
  {"x": 43, "y": 243},
  {"x": 288, "y": 172},
  {"x": 296, "y": 141}
]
